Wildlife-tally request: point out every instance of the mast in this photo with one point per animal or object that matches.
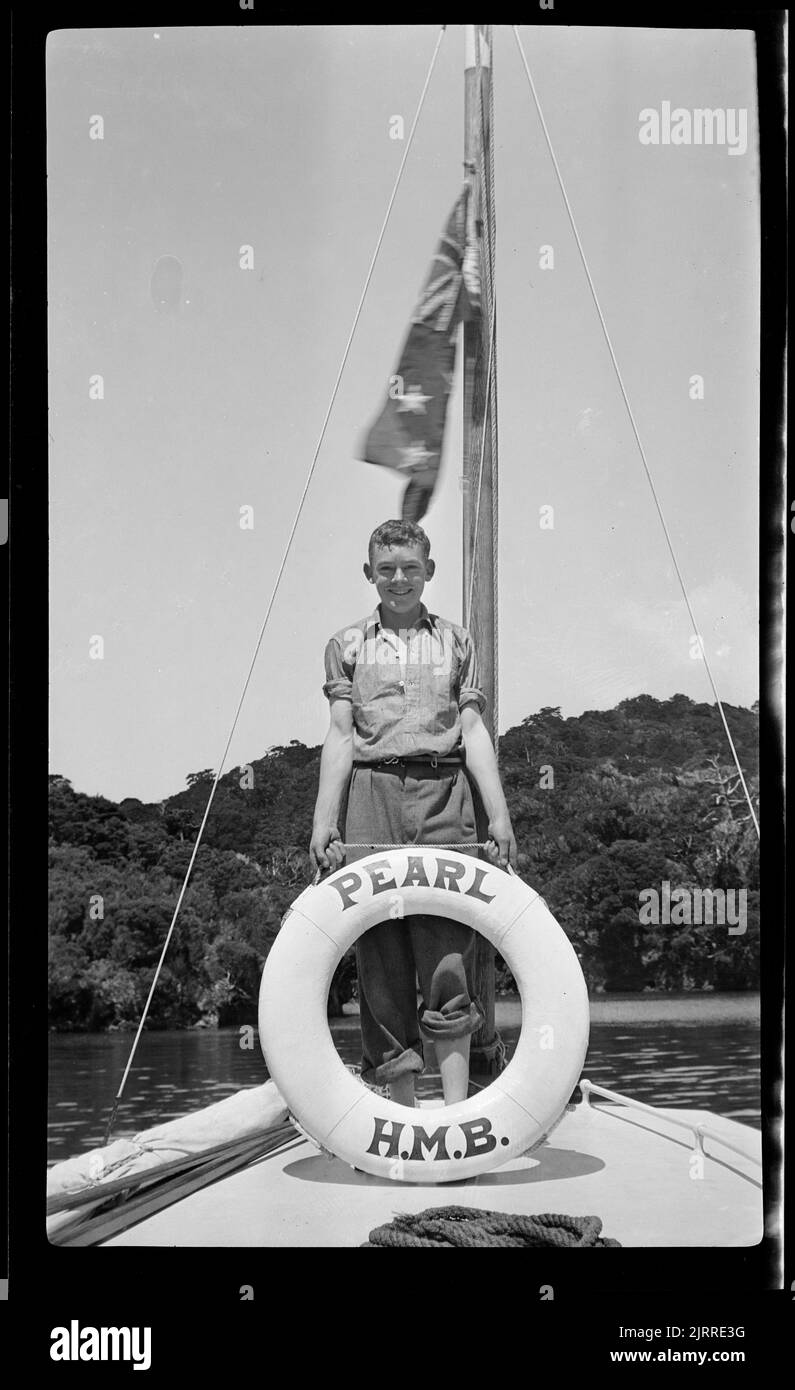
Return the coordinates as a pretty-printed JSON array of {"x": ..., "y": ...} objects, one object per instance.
[{"x": 480, "y": 468}]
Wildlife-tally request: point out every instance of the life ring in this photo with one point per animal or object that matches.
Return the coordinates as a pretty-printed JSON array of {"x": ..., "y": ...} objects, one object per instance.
[{"x": 443, "y": 1143}]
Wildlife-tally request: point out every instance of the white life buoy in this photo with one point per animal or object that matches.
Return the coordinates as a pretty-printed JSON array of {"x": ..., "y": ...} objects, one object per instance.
[{"x": 443, "y": 1143}]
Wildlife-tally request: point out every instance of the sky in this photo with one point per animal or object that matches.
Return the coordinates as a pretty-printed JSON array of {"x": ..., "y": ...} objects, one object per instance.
[{"x": 278, "y": 138}]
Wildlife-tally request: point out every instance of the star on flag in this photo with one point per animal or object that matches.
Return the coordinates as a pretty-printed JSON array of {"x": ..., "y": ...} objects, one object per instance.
[
  {"x": 413, "y": 400},
  {"x": 415, "y": 456}
]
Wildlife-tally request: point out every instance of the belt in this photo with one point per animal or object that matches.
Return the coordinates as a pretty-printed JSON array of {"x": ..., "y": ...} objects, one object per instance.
[{"x": 428, "y": 760}]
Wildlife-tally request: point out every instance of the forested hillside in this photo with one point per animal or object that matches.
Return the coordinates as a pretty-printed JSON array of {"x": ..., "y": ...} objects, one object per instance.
[{"x": 604, "y": 805}]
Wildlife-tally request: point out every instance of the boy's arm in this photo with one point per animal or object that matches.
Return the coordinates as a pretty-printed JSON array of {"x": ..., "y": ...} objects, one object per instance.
[
  {"x": 482, "y": 767},
  {"x": 336, "y": 761}
]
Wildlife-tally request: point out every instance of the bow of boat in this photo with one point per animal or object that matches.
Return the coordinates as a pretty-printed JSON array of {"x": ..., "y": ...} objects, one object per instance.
[{"x": 655, "y": 1177}]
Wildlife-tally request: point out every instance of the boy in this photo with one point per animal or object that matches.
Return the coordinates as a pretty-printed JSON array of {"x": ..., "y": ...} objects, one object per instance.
[{"x": 405, "y": 722}]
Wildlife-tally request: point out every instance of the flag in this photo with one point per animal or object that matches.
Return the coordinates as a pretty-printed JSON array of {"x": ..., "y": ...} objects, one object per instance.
[{"x": 409, "y": 432}]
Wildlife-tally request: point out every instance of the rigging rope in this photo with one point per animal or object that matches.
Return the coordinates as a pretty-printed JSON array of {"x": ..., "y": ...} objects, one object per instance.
[
  {"x": 635, "y": 431},
  {"x": 277, "y": 582}
]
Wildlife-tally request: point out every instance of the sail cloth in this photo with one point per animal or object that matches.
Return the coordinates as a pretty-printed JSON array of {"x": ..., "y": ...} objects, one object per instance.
[
  {"x": 409, "y": 432},
  {"x": 229, "y": 1121}
]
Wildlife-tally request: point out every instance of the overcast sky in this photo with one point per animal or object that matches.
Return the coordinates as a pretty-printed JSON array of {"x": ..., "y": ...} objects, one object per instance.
[{"x": 279, "y": 138}]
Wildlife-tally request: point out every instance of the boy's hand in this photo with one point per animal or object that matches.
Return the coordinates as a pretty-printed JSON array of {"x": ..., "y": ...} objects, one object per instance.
[
  {"x": 501, "y": 845},
  {"x": 325, "y": 849}
]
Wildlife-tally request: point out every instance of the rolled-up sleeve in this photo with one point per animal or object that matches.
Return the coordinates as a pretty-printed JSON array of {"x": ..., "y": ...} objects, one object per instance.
[
  {"x": 469, "y": 691},
  {"x": 338, "y": 684}
]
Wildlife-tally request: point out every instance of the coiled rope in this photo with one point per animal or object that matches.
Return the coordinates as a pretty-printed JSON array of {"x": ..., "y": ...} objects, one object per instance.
[{"x": 471, "y": 1227}]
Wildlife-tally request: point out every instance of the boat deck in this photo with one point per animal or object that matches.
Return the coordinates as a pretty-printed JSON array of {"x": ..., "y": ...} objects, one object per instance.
[{"x": 632, "y": 1169}]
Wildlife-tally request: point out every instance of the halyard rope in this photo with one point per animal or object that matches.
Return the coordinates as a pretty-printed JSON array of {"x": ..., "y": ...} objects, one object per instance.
[
  {"x": 277, "y": 582},
  {"x": 635, "y": 431}
]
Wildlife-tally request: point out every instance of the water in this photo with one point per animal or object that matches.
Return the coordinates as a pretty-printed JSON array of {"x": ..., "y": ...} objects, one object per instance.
[{"x": 697, "y": 1051}]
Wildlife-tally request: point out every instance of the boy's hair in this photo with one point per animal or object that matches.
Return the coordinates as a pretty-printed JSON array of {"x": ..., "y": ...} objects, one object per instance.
[{"x": 398, "y": 533}]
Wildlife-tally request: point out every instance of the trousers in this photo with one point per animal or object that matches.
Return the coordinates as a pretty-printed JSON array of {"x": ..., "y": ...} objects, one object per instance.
[{"x": 411, "y": 805}]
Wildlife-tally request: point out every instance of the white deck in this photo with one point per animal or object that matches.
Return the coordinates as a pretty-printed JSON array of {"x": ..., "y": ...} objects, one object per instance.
[{"x": 631, "y": 1169}]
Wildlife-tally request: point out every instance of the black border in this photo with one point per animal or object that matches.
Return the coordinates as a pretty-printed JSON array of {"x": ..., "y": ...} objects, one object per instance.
[{"x": 602, "y": 1288}]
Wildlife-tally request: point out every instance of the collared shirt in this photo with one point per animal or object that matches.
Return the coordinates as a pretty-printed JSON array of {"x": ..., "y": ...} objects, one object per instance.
[{"x": 406, "y": 689}]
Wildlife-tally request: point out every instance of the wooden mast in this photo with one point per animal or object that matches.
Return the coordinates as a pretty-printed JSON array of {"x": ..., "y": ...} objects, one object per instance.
[{"x": 479, "y": 551}]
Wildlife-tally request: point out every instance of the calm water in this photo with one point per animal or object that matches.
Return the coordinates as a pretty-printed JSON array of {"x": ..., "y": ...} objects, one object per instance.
[{"x": 697, "y": 1051}]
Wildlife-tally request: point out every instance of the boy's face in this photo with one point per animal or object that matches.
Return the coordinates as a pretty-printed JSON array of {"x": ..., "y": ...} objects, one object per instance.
[{"x": 400, "y": 573}]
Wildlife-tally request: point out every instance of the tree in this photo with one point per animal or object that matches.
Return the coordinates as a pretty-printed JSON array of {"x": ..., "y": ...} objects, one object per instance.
[
  {"x": 194, "y": 779},
  {"x": 634, "y": 800}
]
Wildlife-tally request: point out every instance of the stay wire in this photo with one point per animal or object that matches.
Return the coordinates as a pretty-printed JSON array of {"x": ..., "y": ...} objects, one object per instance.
[
  {"x": 635, "y": 431},
  {"x": 276, "y": 585}
]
